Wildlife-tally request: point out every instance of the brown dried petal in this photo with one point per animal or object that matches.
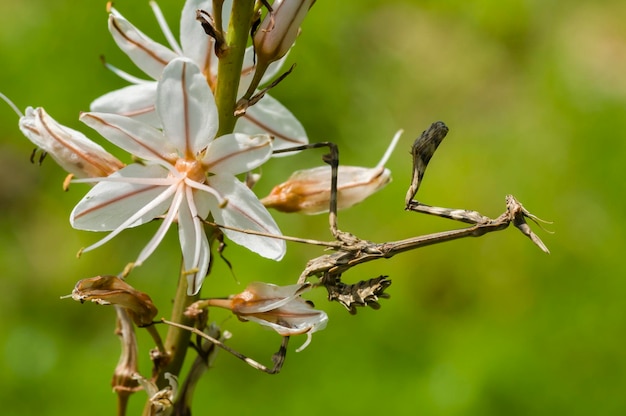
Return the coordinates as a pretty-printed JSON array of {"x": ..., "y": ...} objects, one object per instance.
[{"x": 111, "y": 290}]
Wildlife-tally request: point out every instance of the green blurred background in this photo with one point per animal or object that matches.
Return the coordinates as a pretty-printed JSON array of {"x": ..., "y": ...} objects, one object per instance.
[{"x": 534, "y": 93}]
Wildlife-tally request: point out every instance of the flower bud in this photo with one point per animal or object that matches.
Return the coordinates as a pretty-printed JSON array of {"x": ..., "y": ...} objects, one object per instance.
[
  {"x": 279, "y": 29},
  {"x": 71, "y": 149},
  {"x": 308, "y": 191}
]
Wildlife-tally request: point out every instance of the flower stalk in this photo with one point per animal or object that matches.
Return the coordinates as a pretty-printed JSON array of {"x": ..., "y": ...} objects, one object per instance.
[
  {"x": 230, "y": 64},
  {"x": 177, "y": 340}
]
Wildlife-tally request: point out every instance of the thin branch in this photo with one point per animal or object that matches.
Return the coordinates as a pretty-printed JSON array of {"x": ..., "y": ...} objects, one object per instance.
[
  {"x": 206, "y": 354},
  {"x": 361, "y": 251},
  {"x": 329, "y": 244},
  {"x": 332, "y": 158},
  {"x": 244, "y": 103},
  {"x": 278, "y": 358}
]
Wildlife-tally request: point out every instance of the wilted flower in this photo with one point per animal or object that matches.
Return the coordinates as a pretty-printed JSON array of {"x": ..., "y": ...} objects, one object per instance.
[
  {"x": 71, "y": 149},
  {"x": 161, "y": 401},
  {"x": 123, "y": 383},
  {"x": 185, "y": 175},
  {"x": 137, "y": 101},
  {"x": 308, "y": 191},
  {"x": 111, "y": 290},
  {"x": 278, "y": 307}
]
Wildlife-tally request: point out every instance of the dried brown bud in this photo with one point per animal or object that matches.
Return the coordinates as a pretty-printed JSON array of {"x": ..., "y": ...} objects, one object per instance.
[
  {"x": 111, "y": 290},
  {"x": 123, "y": 382},
  {"x": 161, "y": 401}
]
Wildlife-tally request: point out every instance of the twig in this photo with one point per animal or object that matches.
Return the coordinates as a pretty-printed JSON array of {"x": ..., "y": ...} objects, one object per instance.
[
  {"x": 278, "y": 358},
  {"x": 361, "y": 251},
  {"x": 332, "y": 158}
]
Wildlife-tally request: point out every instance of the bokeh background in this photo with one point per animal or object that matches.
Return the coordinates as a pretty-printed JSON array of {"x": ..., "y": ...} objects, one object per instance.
[{"x": 534, "y": 93}]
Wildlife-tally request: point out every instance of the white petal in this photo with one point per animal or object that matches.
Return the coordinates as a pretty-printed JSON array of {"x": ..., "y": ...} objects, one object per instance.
[
  {"x": 389, "y": 151},
  {"x": 271, "y": 117},
  {"x": 273, "y": 70},
  {"x": 312, "y": 321},
  {"x": 150, "y": 56},
  {"x": 71, "y": 149},
  {"x": 237, "y": 153},
  {"x": 194, "y": 244},
  {"x": 186, "y": 107},
  {"x": 196, "y": 44},
  {"x": 203, "y": 203},
  {"x": 171, "y": 215},
  {"x": 135, "y": 137},
  {"x": 355, "y": 183},
  {"x": 247, "y": 71},
  {"x": 109, "y": 204},
  {"x": 243, "y": 210},
  {"x": 308, "y": 191},
  {"x": 165, "y": 28},
  {"x": 136, "y": 101},
  {"x": 267, "y": 296},
  {"x": 125, "y": 75}
]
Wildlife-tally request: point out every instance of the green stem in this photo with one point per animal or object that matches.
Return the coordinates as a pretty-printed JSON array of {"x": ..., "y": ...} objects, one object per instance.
[
  {"x": 229, "y": 73},
  {"x": 230, "y": 64},
  {"x": 177, "y": 340}
]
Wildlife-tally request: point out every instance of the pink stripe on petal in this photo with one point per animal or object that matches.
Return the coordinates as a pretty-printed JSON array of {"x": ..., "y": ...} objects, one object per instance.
[
  {"x": 186, "y": 107},
  {"x": 243, "y": 210},
  {"x": 135, "y": 137},
  {"x": 132, "y": 219},
  {"x": 147, "y": 54}
]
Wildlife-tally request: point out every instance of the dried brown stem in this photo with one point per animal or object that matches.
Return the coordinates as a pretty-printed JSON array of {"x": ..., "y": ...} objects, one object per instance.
[{"x": 278, "y": 358}]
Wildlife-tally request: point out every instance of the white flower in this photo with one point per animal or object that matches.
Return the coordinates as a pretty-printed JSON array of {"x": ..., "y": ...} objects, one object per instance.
[
  {"x": 266, "y": 116},
  {"x": 187, "y": 174},
  {"x": 280, "y": 308}
]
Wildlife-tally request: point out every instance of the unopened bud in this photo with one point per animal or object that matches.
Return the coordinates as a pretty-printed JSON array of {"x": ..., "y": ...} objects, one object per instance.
[
  {"x": 71, "y": 149},
  {"x": 308, "y": 191},
  {"x": 279, "y": 29}
]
